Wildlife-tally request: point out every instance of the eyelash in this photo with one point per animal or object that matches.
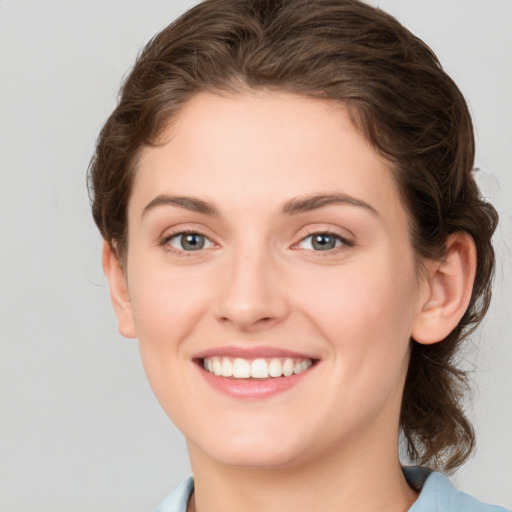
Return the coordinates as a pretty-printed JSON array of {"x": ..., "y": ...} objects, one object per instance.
[
  {"x": 344, "y": 242},
  {"x": 164, "y": 242}
]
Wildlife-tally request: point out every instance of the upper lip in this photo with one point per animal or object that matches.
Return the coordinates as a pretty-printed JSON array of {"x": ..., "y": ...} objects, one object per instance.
[{"x": 252, "y": 352}]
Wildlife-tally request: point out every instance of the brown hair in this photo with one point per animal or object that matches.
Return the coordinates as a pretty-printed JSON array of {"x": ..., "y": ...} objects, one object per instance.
[{"x": 399, "y": 98}]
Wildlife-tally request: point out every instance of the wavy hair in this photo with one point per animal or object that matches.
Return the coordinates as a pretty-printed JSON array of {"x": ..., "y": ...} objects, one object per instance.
[{"x": 399, "y": 98}]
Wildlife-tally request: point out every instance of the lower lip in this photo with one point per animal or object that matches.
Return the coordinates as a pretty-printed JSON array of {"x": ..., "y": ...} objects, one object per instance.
[{"x": 253, "y": 388}]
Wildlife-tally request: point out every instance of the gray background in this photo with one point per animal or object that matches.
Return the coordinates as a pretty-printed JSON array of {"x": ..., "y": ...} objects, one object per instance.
[{"x": 79, "y": 427}]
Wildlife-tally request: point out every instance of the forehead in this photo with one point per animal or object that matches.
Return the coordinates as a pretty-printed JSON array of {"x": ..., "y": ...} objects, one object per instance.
[{"x": 264, "y": 148}]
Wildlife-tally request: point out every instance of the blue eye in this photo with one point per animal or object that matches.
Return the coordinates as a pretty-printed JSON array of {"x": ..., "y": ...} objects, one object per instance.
[
  {"x": 323, "y": 242},
  {"x": 189, "y": 242}
]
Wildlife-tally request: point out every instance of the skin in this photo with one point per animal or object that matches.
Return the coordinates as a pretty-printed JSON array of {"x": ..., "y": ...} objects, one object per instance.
[{"x": 259, "y": 282}]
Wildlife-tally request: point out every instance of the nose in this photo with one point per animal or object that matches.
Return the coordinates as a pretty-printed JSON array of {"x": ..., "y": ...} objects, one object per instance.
[{"x": 253, "y": 297}]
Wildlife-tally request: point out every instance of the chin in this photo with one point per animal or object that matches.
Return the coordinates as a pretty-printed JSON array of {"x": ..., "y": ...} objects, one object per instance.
[
  {"x": 253, "y": 448},
  {"x": 256, "y": 457}
]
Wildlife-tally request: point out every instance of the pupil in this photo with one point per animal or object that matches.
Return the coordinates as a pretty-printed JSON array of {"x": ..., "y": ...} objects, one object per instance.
[
  {"x": 192, "y": 242},
  {"x": 323, "y": 242}
]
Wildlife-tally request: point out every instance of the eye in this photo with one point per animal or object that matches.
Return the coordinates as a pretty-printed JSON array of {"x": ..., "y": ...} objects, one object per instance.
[
  {"x": 323, "y": 242},
  {"x": 188, "y": 242}
]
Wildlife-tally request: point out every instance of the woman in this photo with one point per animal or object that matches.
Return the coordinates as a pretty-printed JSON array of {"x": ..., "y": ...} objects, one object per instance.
[{"x": 293, "y": 233}]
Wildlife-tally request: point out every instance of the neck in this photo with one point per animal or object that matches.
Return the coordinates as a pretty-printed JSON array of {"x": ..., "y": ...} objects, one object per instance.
[{"x": 364, "y": 478}]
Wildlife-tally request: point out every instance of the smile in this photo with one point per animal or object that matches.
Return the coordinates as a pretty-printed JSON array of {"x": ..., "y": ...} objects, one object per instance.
[{"x": 259, "y": 368}]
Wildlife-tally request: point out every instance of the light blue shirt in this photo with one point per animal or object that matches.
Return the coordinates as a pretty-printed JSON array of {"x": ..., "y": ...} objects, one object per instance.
[
  {"x": 437, "y": 495},
  {"x": 178, "y": 499}
]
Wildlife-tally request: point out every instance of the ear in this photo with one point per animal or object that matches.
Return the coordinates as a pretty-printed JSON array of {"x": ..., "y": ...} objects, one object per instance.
[
  {"x": 449, "y": 285},
  {"x": 119, "y": 295}
]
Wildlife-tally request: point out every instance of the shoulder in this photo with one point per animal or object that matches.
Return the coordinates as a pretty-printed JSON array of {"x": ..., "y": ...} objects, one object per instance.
[
  {"x": 178, "y": 499},
  {"x": 437, "y": 494}
]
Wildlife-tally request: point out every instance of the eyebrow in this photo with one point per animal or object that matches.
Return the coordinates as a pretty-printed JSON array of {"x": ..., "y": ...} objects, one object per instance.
[
  {"x": 313, "y": 202},
  {"x": 188, "y": 203},
  {"x": 291, "y": 207}
]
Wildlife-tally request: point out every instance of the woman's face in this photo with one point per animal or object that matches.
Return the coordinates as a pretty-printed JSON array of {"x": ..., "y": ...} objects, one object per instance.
[{"x": 267, "y": 236}]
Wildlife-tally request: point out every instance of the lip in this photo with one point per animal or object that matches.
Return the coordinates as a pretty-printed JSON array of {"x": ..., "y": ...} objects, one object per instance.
[
  {"x": 252, "y": 388},
  {"x": 252, "y": 353}
]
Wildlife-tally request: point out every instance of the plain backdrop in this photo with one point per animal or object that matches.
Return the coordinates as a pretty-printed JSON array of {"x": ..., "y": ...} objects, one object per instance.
[{"x": 79, "y": 427}]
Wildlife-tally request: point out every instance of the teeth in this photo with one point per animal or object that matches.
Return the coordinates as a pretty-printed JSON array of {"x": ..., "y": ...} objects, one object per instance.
[
  {"x": 241, "y": 369},
  {"x": 260, "y": 368},
  {"x": 301, "y": 366},
  {"x": 275, "y": 368},
  {"x": 288, "y": 367},
  {"x": 227, "y": 367},
  {"x": 217, "y": 366}
]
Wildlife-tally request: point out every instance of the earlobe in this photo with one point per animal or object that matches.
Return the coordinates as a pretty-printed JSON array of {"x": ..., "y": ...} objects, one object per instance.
[
  {"x": 449, "y": 284},
  {"x": 119, "y": 295}
]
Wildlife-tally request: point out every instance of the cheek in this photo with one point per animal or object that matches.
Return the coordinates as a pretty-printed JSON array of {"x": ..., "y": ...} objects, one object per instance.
[
  {"x": 166, "y": 304},
  {"x": 366, "y": 314},
  {"x": 167, "y": 307},
  {"x": 377, "y": 297}
]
